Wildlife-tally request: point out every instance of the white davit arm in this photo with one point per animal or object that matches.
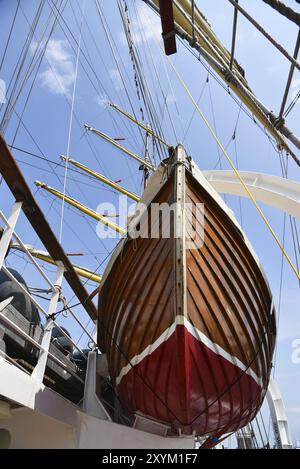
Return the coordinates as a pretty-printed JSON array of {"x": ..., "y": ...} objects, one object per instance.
[
  {"x": 278, "y": 416},
  {"x": 280, "y": 193}
]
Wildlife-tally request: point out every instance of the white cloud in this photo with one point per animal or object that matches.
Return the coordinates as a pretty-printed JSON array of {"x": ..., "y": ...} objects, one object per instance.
[
  {"x": 148, "y": 27},
  {"x": 2, "y": 92},
  {"x": 59, "y": 75},
  {"x": 34, "y": 46},
  {"x": 171, "y": 99},
  {"x": 116, "y": 78},
  {"x": 295, "y": 88},
  {"x": 102, "y": 100}
]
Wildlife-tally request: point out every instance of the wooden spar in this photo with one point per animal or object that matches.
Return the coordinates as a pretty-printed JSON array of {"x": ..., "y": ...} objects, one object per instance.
[
  {"x": 285, "y": 10},
  {"x": 44, "y": 256},
  {"x": 168, "y": 28},
  {"x": 140, "y": 124},
  {"x": 15, "y": 180},
  {"x": 237, "y": 82},
  {"x": 101, "y": 178},
  {"x": 81, "y": 271},
  {"x": 233, "y": 41},
  {"x": 120, "y": 147},
  {"x": 208, "y": 45},
  {"x": 88, "y": 211}
]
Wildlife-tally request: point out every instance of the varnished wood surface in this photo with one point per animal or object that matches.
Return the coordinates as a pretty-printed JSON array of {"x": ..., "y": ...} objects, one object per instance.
[{"x": 183, "y": 382}]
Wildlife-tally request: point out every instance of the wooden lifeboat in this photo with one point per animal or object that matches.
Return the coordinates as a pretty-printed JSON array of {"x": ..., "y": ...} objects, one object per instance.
[{"x": 187, "y": 320}]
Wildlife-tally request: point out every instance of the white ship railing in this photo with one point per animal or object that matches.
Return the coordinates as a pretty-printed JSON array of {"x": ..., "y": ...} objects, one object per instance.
[{"x": 9, "y": 233}]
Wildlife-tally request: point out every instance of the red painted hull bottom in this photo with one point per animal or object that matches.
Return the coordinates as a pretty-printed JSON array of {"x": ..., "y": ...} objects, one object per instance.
[{"x": 187, "y": 386}]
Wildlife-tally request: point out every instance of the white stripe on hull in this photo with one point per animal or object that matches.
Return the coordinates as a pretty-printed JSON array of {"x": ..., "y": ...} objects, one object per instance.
[{"x": 182, "y": 321}]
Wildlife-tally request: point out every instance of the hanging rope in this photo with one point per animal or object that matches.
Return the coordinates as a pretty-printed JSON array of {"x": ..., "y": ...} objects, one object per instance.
[
  {"x": 240, "y": 178},
  {"x": 71, "y": 123},
  {"x": 194, "y": 111}
]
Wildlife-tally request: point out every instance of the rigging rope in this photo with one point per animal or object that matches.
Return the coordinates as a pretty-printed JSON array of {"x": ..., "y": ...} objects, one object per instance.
[
  {"x": 58, "y": 13},
  {"x": 67, "y": 99},
  {"x": 194, "y": 110},
  {"x": 240, "y": 199},
  {"x": 118, "y": 60},
  {"x": 101, "y": 88},
  {"x": 115, "y": 53},
  {"x": 214, "y": 124},
  {"x": 238, "y": 175},
  {"x": 226, "y": 88},
  {"x": 263, "y": 114},
  {"x": 74, "y": 232},
  {"x": 284, "y": 10},
  {"x": 265, "y": 430},
  {"x": 9, "y": 36},
  {"x": 17, "y": 72},
  {"x": 293, "y": 103},
  {"x": 265, "y": 33},
  {"x": 141, "y": 81},
  {"x": 156, "y": 79},
  {"x": 71, "y": 123},
  {"x": 43, "y": 44}
]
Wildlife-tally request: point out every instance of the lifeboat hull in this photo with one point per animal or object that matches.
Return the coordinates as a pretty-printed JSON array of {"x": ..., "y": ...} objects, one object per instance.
[{"x": 187, "y": 320}]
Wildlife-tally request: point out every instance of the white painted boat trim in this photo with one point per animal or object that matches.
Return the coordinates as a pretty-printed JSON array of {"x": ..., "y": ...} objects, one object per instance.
[{"x": 201, "y": 337}]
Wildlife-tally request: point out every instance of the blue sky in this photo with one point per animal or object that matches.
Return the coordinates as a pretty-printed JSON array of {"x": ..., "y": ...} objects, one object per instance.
[{"x": 47, "y": 117}]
